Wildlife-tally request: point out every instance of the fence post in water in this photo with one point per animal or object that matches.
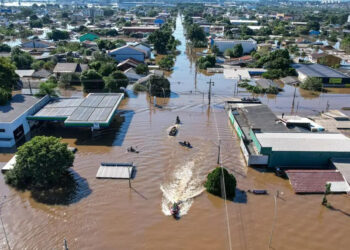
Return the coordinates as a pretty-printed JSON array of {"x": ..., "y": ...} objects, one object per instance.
[{"x": 132, "y": 164}]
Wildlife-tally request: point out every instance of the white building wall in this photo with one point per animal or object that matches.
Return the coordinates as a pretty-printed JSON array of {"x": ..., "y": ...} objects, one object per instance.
[
  {"x": 7, "y": 138},
  {"x": 248, "y": 45}
]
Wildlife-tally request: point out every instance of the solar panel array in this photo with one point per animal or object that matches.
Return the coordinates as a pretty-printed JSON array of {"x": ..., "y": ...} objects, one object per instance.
[{"x": 95, "y": 108}]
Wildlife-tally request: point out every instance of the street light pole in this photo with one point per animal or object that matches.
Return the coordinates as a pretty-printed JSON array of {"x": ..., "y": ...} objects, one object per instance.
[{"x": 209, "y": 93}]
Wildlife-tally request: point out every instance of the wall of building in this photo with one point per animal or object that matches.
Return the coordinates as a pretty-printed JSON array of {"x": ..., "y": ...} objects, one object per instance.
[
  {"x": 248, "y": 45},
  {"x": 7, "y": 138}
]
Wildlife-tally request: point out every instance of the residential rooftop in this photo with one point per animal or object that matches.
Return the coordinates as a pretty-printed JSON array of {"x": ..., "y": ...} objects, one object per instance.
[{"x": 318, "y": 70}]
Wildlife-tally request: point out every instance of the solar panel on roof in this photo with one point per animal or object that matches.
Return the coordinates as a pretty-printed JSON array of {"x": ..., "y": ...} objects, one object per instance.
[{"x": 100, "y": 114}]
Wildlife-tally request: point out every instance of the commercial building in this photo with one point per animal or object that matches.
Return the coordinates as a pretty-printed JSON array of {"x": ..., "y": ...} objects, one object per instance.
[
  {"x": 127, "y": 52},
  {"x": 96, "y": 110},
  {"x": 329, "y": 77},
  {"x": 224, "y": 44},
  {"x": 13, "y": 118},
  {"x": 267, "y": 140}
]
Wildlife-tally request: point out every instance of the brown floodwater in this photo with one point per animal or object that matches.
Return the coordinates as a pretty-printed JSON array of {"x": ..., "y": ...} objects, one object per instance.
[{"x": 106, "y": 214}]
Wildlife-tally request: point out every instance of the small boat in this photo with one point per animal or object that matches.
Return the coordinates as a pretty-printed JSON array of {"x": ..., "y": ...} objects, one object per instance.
[
  {"x": 173, "y": 131},
  {"x": 185, "y": 144},
  {"x": 132, "y": 150},
  {"x": 258, "y": 191},
  {"x": 175, "y": 210}
]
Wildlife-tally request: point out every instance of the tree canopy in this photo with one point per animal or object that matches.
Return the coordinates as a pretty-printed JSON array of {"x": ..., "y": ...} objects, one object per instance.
[
  {"x": 312, "y": 83},
  {"x": 158, "y": 86},
  {"x": 205, "y": 62},
  {"x": 22, "y": 60},
  {"x": 58, "y": 35},
  {"x": 8, "y": 76},
  {"x": 92, "y": 80},
  {"x": 41, "y": 163},
  {"x": 214, "y": 179}
]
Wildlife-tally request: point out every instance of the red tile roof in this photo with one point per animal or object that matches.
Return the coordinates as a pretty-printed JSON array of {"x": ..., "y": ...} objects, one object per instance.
[{"x": 312, "y": 181}]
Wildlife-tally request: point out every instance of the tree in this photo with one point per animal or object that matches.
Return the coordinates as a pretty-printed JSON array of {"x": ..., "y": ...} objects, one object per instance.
[
  {"x": 37, "y": 64},
  {"x": 115, "y": 81},
  {"x": 107, "y": 68},
  {"x": 312, "y": 83},
  {"x": 41, "y": 163},
  {"x": 108, "y": 12},
  {"x": 205, "y": 62},
  {"x": 47, "y": 88},
  {"x": 92, "y": 80},
  {"x": 5, "y": 96},
  {"x": 195, "y": 33},
  {"x": 65, "y": 80},
  {"x": 142, "y": 69},
  {"x": 345, "y": 44},
  {"x": 160, "y": 39},
  {"x": 214, "y": 181},
  {"x": 236, "y": 51},
  {"x": 36, "y": 23},
  {"x": 58, "y": 35},
  {"x": 106, "y": 44},
  {"x": 313, "y": 25},
  {"x": 167, "y": 62},
  {"x": 8, "y": 76},
  {"x": 22, "y": 60},
  {"x": 326, "y": 192},
  {"x": 158, "y": 86},
  {"x": 5, "y": 48}
]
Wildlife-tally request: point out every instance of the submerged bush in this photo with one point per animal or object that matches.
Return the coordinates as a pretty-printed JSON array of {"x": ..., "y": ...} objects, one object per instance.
[{"x": 213, "y": 183}]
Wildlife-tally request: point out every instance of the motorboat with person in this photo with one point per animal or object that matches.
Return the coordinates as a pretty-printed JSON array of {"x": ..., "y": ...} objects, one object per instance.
[
  {"x": 186, "y": 144},
  {"x": 132, "y": 150},
  {"x": 175, "y": 209},
  {"x": 173, "y": 131}
]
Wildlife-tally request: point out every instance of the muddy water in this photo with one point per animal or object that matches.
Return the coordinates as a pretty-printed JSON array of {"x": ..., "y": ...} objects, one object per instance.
[{"x": 106, "y": 214}]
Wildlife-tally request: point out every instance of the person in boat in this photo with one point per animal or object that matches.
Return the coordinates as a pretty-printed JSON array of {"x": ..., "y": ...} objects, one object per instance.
[
  {"x": 178, "y": 120},
  {"x": 131, "y": 149}
]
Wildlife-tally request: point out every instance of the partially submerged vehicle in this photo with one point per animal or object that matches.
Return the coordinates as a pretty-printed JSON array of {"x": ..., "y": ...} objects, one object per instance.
[{"x": 258, "y": 191}]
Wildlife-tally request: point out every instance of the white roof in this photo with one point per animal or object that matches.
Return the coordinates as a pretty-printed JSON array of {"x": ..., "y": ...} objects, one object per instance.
[
  {"x": 25, "y": 72},
  {"x": 339, "y": 186},
  {"x": 115, "y": 171},
  {"x": 312, "y": 142}
]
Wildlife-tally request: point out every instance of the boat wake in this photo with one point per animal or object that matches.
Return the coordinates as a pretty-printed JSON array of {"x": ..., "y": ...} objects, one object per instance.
[{"x": 183, "y": 187}]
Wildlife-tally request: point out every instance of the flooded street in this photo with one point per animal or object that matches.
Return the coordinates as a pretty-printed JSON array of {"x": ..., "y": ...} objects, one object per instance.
[{"x": 106, "y": 214}]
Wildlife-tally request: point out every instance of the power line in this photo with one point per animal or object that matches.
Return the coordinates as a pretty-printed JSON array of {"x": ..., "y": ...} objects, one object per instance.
[
  {"x": 2, "y": 224},
  {"x": 223, "y": 186}
]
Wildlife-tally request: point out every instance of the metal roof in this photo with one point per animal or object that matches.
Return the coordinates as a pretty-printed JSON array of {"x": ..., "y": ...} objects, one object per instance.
[
  {"x": 314, "y": 181},
  {"x": 95, "y": 108},
  {"x": 301, "y": 142},
  {"x": 18, "y": 105},
  {"x": 115, "y": 171},
  {"x": 318, "y": 70}
]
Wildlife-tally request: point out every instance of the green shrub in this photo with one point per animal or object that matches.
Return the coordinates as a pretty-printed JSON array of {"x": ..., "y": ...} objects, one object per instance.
[
  {"x": 312, "y": 83},
  {"x": 213, "y": 183},
  {"x": 138, "y": 87}
]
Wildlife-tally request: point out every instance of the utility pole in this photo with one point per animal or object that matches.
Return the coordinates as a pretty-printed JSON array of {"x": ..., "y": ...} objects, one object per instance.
[
  {"x": 219, "y": 149},
  {"x": 30, "y": 87},
  {"x": 65, "y": 245},
  {"x": 211, "y": 83}
]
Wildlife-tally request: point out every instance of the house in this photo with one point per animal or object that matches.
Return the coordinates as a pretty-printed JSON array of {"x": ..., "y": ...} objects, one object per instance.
[
  {"x": 126, "y": 52},
  {"x": 329, "y": 77},
  {"x": 37, "y": 44},
  {"x": 144, "y": 47},
  {"x": 139, "y": 29},
  {"x": 69, "y": 68},
  {"x": 325, "y": 59},
  {"x": 89, "y": 37},
  {"x": 13, "y": 118},
  {"x": 224, "y": 44},
  {"x": 127, "y": 64}
]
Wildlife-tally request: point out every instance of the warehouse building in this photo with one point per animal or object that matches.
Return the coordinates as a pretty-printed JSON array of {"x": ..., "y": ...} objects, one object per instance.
[
  {"x": 224, "y": 44},
  {"x": 329, "y": 77},
  {"x": 13, "y": 118},
  {"x": 267, "y": 140}
]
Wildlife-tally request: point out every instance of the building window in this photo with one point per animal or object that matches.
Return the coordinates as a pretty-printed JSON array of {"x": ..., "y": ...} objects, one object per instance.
[{"x": 2, "y": 130}]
